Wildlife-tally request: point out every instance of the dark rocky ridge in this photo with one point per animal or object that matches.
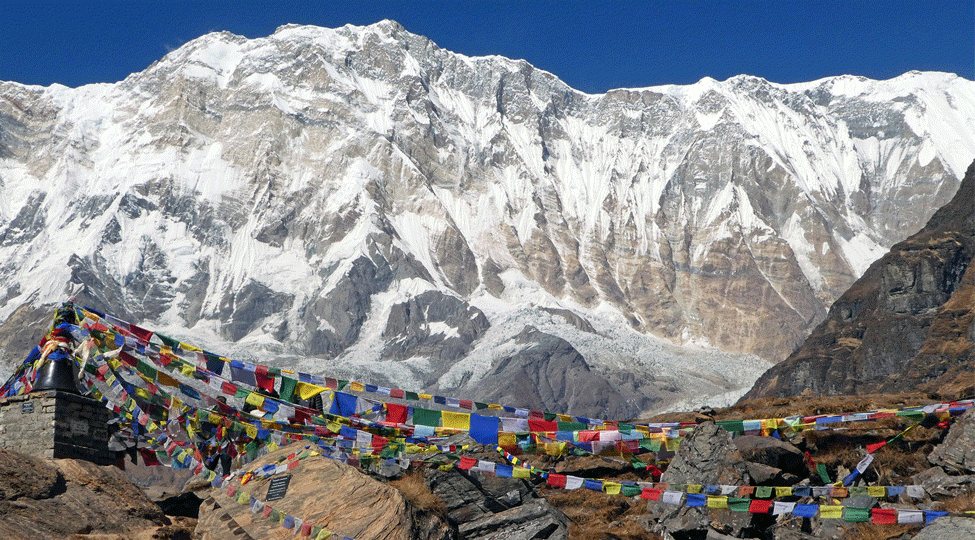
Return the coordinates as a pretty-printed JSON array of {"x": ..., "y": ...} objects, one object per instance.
[{"x": 907, "y": 323}]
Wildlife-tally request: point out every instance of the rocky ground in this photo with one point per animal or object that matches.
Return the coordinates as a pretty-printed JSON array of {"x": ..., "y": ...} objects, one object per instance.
[{"x": 424, "y": 500}]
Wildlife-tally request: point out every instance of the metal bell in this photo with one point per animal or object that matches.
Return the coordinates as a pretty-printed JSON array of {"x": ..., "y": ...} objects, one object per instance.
[{"x": 57, "y": 374}]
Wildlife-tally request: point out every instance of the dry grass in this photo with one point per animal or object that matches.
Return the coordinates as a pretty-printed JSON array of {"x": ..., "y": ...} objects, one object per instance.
[
  {"x": 869, "y": 531},
  {"x": 598, "y": 516},
  {"x": 415, "y": 490},
  {"x": 962, "y": 503}
]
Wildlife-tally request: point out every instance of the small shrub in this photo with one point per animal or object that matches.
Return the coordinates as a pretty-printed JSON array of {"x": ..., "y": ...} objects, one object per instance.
[{"x": 416, "y": 491}]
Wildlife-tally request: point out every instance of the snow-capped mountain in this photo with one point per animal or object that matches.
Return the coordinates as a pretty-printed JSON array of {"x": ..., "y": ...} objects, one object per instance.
[{"x": 361, "y": 201}]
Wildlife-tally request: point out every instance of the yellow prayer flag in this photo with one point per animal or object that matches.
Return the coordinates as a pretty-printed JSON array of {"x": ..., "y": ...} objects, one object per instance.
[
  {"x": 187, "y": 347},
  {"x": 717, "y": 501},
  {"x": 357, "y": 386},
  {"x": 187, "y": 369},
  {"x": 520, "y": 472},
  {"x": 334, "y": 427},
  {"x": 830, "y": 511},
  {"x": 673, "y": 444},
  {"x": 565, "y": 418},
  {"x": 413, "y": 449},
  {"x": 166, "y": 379},
  {"x": 255, "y": 399},
  {"x": 783, "y": 491},
  {"x": 244, "y": 498},
  {"x": 425, "y": 396},
  {"x": 272, "y": 446},
  {"x": 555, "y": 449},
  {"x": 307, "y": 390},
  {"x": 325, "y": 534},
  {"x": 695, "y": 488},
  {"x": 143, "y": 393},
  {"x": 251, "y": 430},
  {"x": 495, "y": 407},
  {"x": 456, "y": 420},
  {"x": 612, "y": 488},
  {"x": 877, "y": 491},
  {"x": 507, "y": 440}
]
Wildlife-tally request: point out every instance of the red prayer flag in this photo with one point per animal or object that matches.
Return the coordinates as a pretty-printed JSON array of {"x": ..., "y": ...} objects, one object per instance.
[
  {"x": 556, "y": 480},
  {"x": 588, "y": 436},
  {"x": 228, "y": 388},
  {"x": 759, "y": 506},
  {"x": 397, "y": 393},
  {"x": 883, "y": 516},
  {"x": 149, "y": 457},
  {"x": 466, "y": 463},
  {"x": 466, "y": 404},
  {"x": 396, "y": 413},
  {"x": 263, "y": 380},
  {"x": 871, "y": 448},
  {"x": 535, "y": 424},
  {"x": 650, "y": 494}
]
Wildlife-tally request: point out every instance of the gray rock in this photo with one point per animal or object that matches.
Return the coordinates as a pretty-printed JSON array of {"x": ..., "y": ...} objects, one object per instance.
[
  {"x": 949, "y": 486},
  {"x": 957, "y": 453},
  {"x": 948, "y": 527},
  {"x": 772, "y": 452},
  {"x": 706, "y": 456},
  {"x": 484, "y": 506},
  {"x": 549, "y": 374}
]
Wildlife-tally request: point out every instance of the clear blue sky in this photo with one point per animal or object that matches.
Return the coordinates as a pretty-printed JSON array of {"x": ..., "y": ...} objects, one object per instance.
[{"x": 593, "y": 46}]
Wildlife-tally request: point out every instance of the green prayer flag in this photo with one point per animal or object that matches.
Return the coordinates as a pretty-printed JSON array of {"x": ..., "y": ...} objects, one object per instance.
[
  {"x": 631, "y": 491},
  {"x": 287, "y": 391},
  {"x": 478, "y": 405},
  {"x": 147, "y": 370},
  {"x": 738, "y": 504},
  {"x": 342, "y": 384},
  {"x": 426, "y": 417},
  {"x": 550, "y": 416},
  {"x": 571, "y": 426},
  {"x": 823, "y": 473},
  {"x": 734, "y": 426},
  {"x": 763, "y": 492},
  {"x": 856, "y": 515},
  {"x": 168, "y": 341},
  {"x": 242, "y": 393},
  {"x": 411, "y": 395}
]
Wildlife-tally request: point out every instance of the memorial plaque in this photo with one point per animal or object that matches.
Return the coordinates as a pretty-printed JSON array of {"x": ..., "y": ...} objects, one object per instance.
[
  {"x": 277, "y": 488},
  {"x": 27, "y": 407}
]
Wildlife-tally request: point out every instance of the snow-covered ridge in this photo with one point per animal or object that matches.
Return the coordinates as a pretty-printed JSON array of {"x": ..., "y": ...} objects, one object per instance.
[{"x": 358, "y": 199}]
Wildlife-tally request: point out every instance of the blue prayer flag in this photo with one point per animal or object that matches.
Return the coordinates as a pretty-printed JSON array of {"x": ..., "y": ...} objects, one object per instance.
[{"x": 484, "y": 429}]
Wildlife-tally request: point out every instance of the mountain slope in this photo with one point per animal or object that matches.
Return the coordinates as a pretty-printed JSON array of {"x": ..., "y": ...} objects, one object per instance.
[
  {"x": 906, "y": 324},
  {"x": 359, "y": 199}
]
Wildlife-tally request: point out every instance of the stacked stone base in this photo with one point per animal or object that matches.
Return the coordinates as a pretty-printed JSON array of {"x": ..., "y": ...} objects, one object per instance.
[{"x": 54, "y": 425}]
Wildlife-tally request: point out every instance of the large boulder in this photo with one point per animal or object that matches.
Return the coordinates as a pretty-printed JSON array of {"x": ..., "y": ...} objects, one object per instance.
[
  {"x": 706, "y": 456},
  {"x": 948, "y": 527},
  {"x": 326, "y": 493},
  {"x": 957, "y": 453},
  {"x": 54, "y": 499},
  {"x": 489, "y": 507}
]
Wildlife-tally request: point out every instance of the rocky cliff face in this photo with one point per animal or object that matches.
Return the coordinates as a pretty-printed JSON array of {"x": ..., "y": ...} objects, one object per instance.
[
  {"x": 369, "y": 202},
  {"x": 906, "y": 324}
]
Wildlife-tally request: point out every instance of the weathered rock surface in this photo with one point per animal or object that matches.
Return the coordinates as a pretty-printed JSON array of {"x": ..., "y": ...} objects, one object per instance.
[
  {"x": 907, "y": 323},
  {"x": 487, "y": 507},
  {"x": 53, "y": 499},
  {"x": 327, "y": 493},
  {"x": 957, "y": 453},
  {"x": 948, "y": 527},
  {"x": 549, "y": 374},
  {"x": 771, "y": 452},
  {"x": 706, "y": 456}
]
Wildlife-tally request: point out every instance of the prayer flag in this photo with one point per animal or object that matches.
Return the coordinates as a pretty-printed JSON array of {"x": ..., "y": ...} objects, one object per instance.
[
  {"x": 696, "y": 499},
  {"x": 456, "y": 420},
  {"x": 484, "y": 429},
  {"x": 759, "y": 506},
  {"x": 883, "y": 516},
  {"x": 343, "y": 404}
]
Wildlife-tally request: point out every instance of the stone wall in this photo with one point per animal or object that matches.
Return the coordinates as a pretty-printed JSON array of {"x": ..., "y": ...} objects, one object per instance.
[{"x": 56, "y": 424}]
